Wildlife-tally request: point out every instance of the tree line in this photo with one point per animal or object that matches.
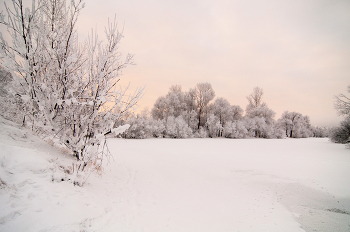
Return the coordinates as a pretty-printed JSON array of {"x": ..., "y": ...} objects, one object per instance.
[{"x": 195, "y": 113}]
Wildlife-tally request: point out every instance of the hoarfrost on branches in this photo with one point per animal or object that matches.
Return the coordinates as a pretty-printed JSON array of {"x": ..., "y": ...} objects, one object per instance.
[{"x": 69, "y": 91}]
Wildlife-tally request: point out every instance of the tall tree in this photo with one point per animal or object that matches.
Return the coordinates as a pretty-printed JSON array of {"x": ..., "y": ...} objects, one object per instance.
[
  {"x": 221, "y": 108},
  {"x": 255, "y": 98},
  {"x": 204, "y": 94}
]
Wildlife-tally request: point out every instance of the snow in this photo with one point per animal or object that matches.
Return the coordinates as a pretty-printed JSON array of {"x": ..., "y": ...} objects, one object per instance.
[{"x": 177, "y": 185}]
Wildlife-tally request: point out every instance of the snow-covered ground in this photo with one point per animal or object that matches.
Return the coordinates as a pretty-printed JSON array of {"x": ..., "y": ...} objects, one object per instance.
[{"x": 178, "y": 185}]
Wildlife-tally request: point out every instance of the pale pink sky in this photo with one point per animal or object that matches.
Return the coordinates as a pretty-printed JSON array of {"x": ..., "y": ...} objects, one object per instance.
[{"x": 297, "y": 51}]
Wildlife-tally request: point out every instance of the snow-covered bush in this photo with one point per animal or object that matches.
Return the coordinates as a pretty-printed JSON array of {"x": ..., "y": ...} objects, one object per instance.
[
  {"x": 278, "y": 132},
  {"x": 191, "y": 118},
  {"x": 320, "y": 132},
  {"x": 140, "y": 128},
  {"x": 157, "y": 128},
  {"x": 177, "y": 128},
  {"x": 201, "y": 133},
  {"x": 235, "y": 130},
  {"x": 183, "y": 130}
]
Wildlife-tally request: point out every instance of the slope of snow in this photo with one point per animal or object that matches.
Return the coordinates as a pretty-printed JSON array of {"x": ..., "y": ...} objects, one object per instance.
[{"x": 177, "y": 185}]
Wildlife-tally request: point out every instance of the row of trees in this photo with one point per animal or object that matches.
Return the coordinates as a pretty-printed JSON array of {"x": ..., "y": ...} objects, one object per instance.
[
  {"x": 56, "y": 85},
  {"x": 196, "y": 114}
]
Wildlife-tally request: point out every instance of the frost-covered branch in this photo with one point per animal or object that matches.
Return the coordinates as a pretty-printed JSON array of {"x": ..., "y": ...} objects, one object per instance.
[
  {"x": 69, "y": 89},
  {"x": 342, "y": 104}
]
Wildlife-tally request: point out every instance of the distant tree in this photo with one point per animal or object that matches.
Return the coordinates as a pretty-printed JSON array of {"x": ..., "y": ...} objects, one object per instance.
[
  {"x": 204, "y": 94},
  {"x": 235, "y": 130},
  {"x": 140, "y": 126},
  {"x": 173, "y": 104},
  {"x": 255, "y": 99},
  {"x": 201, "y": 133},
  {"x": 191, "y": 118},
  {"x": 341, "y": 134},
  {"x": 157, "y": 128},
  {"x": 221, "y": 108},
  {"x": 236, "y": 113},
  {"x": 342, "y": 104},
  {"x": 262, "y": 112},
  {"x": 295, "y": 125},
  {"x": 277, "y": 132},
  {"x": 261, "y": 120},
  {"x": 190, "y": 99},
  {"x": 160, "y": 109},
  {"x": 320, "y": 132},
  {"x": 177, "y": 128},
  {"x": 250, "y": 126},
  {"x": 214, "y": 126}
]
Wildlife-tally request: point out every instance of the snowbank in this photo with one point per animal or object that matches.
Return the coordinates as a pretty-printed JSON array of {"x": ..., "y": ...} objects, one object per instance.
[{"x": 177, "y": 185}]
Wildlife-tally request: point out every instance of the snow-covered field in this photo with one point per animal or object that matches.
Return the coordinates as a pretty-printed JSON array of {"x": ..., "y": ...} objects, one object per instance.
[{"x": 178, "y": 185}]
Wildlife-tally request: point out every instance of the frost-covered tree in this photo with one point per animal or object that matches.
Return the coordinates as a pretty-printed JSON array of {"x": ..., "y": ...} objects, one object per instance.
[
  {"x": 159, "y": 110},
  {"x": 70, "y": 90},
  {"x": 201, "y": 133},
  {"x": 190, "y": 99},
  {"x": 193, "y": 103},
  {"x": 173, "y": 104},
  {"x": 320, "y": 132},
  {"x": 260, "y": 116},
  {"x": 261, "y": 121},
  {"x": 341, "y": 134},
  {"x": 191, "y": 118},
  {"x": 295, "y": 125},
  {"x": 222, "y": 109},
  {"x": 342, "y": 104},
  {"x": 157, "y": 128},
  {"x": 262, "y": 112},
  {"x": 204, "y": 94},
  {"x": 140, "y": 126},
  {"x": 236, "y": 113},
  {"x": 177, "y": 128},
  {"x": 255, "y": 99},
  {"x": 235, "y": 130},
  {"x": 214, "y": 126}
]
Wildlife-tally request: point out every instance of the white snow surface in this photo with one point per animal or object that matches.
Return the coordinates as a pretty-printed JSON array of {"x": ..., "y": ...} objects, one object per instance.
[{"x": 177, "y": 185}]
